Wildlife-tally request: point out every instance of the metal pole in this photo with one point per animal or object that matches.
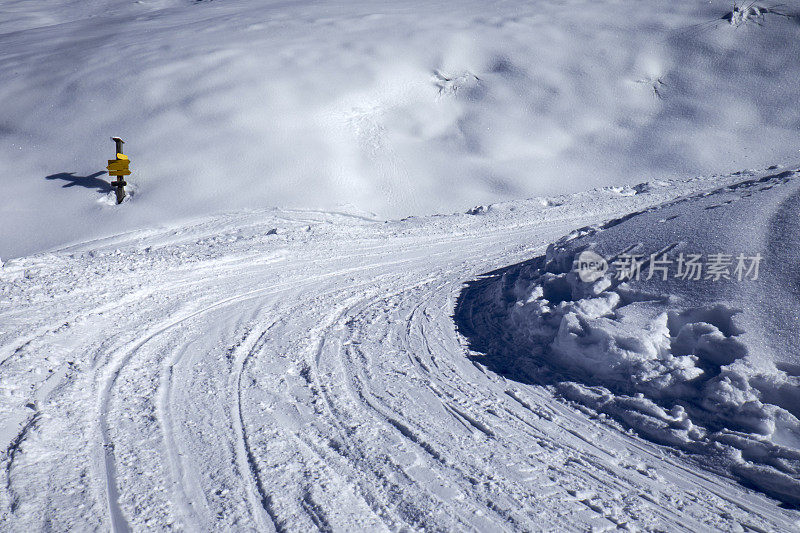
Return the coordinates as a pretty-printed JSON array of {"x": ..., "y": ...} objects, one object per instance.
[{"x": 120, "y": 183}]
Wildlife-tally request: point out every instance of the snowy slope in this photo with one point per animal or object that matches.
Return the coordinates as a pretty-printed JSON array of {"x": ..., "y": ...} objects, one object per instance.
[
  {"x": 395, "y": 108},
  {"x": 702, "y": 360},
  {"x": 248, "y": 344},
  {"x": 302, "y": 370}
]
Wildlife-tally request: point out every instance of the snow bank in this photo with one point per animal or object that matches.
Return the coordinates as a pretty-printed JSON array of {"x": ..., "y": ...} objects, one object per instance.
[{"x": 681, "y": 362}]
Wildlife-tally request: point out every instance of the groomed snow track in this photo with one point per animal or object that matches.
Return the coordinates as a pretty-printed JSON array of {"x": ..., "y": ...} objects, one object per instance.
[{"x": 221, "y": 376}]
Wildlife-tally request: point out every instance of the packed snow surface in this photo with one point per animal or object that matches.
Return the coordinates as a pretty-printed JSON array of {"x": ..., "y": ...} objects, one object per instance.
[
  {"x": 697, "y": 356},
  {"x": 275, "y": 332},
  {"x": 394, "y": 108},
  {"x": 298, "y": 370}
]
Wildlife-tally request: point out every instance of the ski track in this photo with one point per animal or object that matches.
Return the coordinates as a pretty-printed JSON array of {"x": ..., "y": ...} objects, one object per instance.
[{"x": 315, "y": 381}]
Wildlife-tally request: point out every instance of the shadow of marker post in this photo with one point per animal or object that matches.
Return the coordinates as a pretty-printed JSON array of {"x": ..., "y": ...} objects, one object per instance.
[{"x": 90, "y": 182}]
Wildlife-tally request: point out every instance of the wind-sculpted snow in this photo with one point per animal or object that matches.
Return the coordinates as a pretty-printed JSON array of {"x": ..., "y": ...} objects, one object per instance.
[
  {"x": 681, "y": 361},
  {"x": 395, "y": 108},
  {"x": 301, "y": 371}
]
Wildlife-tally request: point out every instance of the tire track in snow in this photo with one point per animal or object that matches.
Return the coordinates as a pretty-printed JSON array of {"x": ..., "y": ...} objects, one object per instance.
[
  {"x": 373, "y": 340},
  {"x": 367, "y": 491},
  {"x": 107, "y": 462},
  {"x": 360, "y": 394},
  {"x": 183, "y": 500},
  {"x": 108, "y": 466},
  {"x": 242, "y": 350},
  {"x": 320, "y": 456},
  {"x": 261, "y": 503}
]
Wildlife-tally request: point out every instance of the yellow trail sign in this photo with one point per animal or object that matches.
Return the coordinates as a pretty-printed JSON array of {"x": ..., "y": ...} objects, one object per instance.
[
  {"x": 118, "y": 164},
  {"x": 119, "y": 167}
]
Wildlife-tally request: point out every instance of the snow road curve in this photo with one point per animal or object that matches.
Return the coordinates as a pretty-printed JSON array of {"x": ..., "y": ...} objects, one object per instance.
[{"x": 220, "y": 375}]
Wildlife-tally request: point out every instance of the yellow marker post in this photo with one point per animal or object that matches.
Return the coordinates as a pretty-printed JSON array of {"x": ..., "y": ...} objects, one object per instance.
[{"x": 119, "y": 167}]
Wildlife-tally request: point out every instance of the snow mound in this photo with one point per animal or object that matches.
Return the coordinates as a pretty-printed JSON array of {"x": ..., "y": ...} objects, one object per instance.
[
  {"x": 678, "y": 362},
  {"x": 678, "y": 376}
]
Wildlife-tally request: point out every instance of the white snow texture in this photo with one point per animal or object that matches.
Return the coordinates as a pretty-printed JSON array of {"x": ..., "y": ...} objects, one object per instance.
[
  {"x": 280, "y": 330},
  {"x": 695, "y": 364},
  {"x": 395, "y": 108}
]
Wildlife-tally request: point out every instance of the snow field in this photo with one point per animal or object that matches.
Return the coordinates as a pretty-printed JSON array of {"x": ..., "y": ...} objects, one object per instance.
[
  {"x": 682, "y": 362},
  {"x": 300, "y": 370},
  {"x": 373, "y": 107}
]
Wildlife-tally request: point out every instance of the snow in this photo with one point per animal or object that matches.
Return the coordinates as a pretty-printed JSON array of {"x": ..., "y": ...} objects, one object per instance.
[
  {"x": 281, "y": 330},
  {"x": 300, "y": 370},
  {"x": 373, "y": 107},
  {"x": 702, "y": 364}
]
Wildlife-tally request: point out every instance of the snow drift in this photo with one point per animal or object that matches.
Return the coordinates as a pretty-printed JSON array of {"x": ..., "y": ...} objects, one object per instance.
[{"x": 708, "y": 366}]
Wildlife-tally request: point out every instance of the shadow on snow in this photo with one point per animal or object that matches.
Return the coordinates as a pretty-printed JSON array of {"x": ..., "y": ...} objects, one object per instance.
[{"x": 90, "y": 182}]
